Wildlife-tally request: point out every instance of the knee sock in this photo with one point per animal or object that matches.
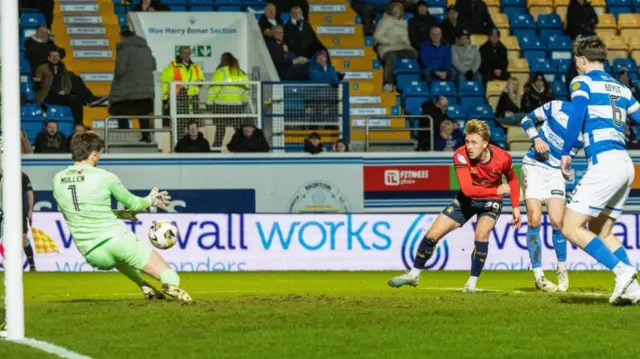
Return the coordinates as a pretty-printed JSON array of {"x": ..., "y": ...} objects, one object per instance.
[
  {"x": 534, "y": 245},
  {"x": 131, "y": 273},
  {"x": 425, "y": 251},
  {"x": 560, "y": 245},
  {"x": 599, "y": 251},
  {"x": 621, "y": 254},
  {"x": 170, "y": 277},
  {"x": 478, "y": 257},
  {"x": 28, "y": 250}
]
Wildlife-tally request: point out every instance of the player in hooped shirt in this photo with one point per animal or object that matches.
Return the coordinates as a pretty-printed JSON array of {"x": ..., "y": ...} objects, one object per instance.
[{"x": 479, "y": 167}]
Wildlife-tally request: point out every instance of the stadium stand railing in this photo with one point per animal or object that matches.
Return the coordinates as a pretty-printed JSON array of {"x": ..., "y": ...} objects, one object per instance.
[
  {"x": 116, "y": 137},
  {"x": 412, "y": 127}
]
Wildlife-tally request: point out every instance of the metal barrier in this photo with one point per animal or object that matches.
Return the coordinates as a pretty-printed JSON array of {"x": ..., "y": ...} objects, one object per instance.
[
  {"x": 172, "y": 134},
  {"x": 368, "y": 129}
]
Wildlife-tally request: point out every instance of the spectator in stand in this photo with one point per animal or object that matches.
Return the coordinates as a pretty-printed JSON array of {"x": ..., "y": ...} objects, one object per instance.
[
  {"x": 435, "y": 57},
  {"x": 37, "y": 48},
  {"x": 438, "y": 112},
  {"x": 451, "y": 27},
  {"x": 300, "y": 36},
  {"x": 341, "y": 146},
  {"x": 193, "y": 141},
  {"x": 132, "y": 90},
  {"x": 420, "y": 25},
  {"x": 625, "y": 79},
  {"x": 51, "y": 140},
  {"x": 248, "y": 138},
  {"x": 269, "y": 21},
  {"x": 227, "y": 99},
  {"x": 494, "y": 59},
  {"x": 25, "y": 145},
  {"x": 150, "y": 5},
  {"x": 320, "y": 70},
  {"x": 508, "y": 111},
  {"x": 53, "y": 83},
  {"x": 466, "y": 58},
  {"x": 447, "y": 139},
  {"x": 289, "y": 66},
  {"x": 313, "y": 144},
  {"x": 367, "y": 10},
  {"x": 182, "y": 69},
  {"x": 537, "y": 92},
  {"x": 392, "y": 41},
  {"x": 475, "y": 16},
  {"x": 46, "y": 6},
  {"x": 581, "y": 19},
  {"x": 78, "y": 128},
  {"x": 288, "y": 5}
]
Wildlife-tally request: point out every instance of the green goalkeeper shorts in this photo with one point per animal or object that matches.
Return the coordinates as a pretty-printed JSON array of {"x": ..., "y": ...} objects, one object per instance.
[{"x": 125, "y": 249}]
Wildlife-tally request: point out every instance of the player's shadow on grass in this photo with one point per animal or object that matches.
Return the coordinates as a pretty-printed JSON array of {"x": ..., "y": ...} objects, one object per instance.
[
  {"x": 88, "y": 300},
  {"x": 581, "y": 299}
]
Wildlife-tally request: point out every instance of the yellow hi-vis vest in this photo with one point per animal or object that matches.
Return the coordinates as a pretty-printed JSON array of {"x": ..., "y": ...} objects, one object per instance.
[
  {"x": 178, "y": 72},
  {"x": 228, "y": 94}
]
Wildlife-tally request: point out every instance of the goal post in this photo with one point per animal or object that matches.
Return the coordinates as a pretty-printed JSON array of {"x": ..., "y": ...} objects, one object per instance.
[{"x": 11, "y": 166}]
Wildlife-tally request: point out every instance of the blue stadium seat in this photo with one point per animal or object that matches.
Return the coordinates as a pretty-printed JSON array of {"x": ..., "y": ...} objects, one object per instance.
[
  {"x": 59, "y": 113},
  {"x": 543, "y": 65},
  {"x": 201, "y": 8},
  {"x": 549, "y": 25},
  {"x": 254, "y": 3},
  {"x": 513, "y": 7},
  {"x": 532, "y": 46},
  {"x": 202, "y": 2},
  {"x": 522, "y": 25},
  {"x": 498, "y": 136},
  {"x": 559, "y": 88},
  {"x": 437, "y": 3},
  {"x": 32, "y": 120},
  {"x": 471, "y": 93},
  {"x": 414, "y": 96},
  {"x": 617, "y": 7},
  {"x": 560, "y": 47},
  {"x": 25, "y": 68},
  {"x": 178, "y": 7},
  {"x": 229, "y": 2},
  {"x": 561, "y": 65},
  {"x": 230, "y": 8},
  {"x": 482, "y": 112},
  {"x": 446, "y": 89},
  {"x": 26, "y": 87},
  {"x": 31, "y": 20},
  {"x": 607, "y": 67},
  {"x": 285, "y": 16},
  {"x": 629, "y": 64},
  {"x": 406, "y": 72}
]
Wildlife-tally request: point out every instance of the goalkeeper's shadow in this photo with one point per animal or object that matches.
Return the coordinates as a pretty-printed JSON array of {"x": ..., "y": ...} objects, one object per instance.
[{"x": 582, "y": 299}]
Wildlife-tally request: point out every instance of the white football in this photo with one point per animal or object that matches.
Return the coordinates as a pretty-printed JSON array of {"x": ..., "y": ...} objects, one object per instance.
[{"x": 163, "y": 234}]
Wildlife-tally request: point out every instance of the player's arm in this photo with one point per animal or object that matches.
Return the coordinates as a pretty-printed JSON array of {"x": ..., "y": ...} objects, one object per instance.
[
  {"x": 125, "y": 197},
  {"x": 632, "y": 110},
  {"x": 512, "y": 180},
  {"x": 466, "y": 182},
  {"x": 534, "y": 118},
  {"x": 580, "y": 94}
]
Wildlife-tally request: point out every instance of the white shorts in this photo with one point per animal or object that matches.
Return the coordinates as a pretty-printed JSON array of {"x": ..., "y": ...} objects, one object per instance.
[
  {"x": 541, "y": 182},
  {"x": 605, "y": 186}
]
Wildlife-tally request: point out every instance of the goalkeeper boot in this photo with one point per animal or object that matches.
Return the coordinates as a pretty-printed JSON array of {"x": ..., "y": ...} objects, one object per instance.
[
  {"x": 546, "y": 285},
  {"x": 405, "y": 279},
  {"x": 151, "y": 293},
  {"x": 176, "y": 293}
]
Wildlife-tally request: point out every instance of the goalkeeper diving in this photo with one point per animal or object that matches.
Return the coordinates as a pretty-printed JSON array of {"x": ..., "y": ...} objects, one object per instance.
[{"x": 83, "y": 193}]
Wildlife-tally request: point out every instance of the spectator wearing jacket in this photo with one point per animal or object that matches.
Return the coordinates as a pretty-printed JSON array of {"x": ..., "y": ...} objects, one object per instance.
[
  {"x": 132, "y": 90},
  {"x": 581, "y": 19},
  {"x": 466, "y": 58},
  {"x": 537, "y": 92},
  {"x": 420, "y": 25},
  {"x": 313, "y": 144},
  {"x": 289, "y": 66},
  {"x": 320, "y": 70},
  {"x": 474, "y": 14},
  {"x": 437, "y": 110},
  {"x": 269, "y": 21},
  {"x": 249, "y": 138},
  {"x": 193, "y": 141},
  {"x": 494, "y": 59},
  {"x": 51, "y": 140},
  {"x": 300, "y": 36},
  {"x": 447, "y": 139},
  {"x": 451, "y": 27},
  {"x": 53, "y": 81},
  {"x": 435, "y": 57},
  {"x": 392, "y": 41},
  {"x": 37, "y": 48},
  {"x": 184, "y": 70}
]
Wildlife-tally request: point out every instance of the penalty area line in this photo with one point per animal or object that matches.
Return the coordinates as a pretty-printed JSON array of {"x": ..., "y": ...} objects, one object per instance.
[
  {"x": 50, "y": 348},
  {"x": 515, "y": 291}
]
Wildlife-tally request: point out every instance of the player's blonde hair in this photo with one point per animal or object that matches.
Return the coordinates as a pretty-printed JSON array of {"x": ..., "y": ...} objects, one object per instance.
[{"x": 478, "y": 127}]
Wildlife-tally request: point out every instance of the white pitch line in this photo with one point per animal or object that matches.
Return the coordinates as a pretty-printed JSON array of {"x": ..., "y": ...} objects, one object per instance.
[
  {"x": 51, "y": 349},
  {"x": 515, "y": 291}
]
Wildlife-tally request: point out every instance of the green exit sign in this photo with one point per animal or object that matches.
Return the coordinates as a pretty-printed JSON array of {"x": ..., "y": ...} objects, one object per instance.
[{"x": 197, "y": 50}]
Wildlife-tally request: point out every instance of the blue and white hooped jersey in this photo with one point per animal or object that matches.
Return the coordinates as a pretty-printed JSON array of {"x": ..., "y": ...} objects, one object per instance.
[
  {"x": 554, "y": 117},
  {"x": 609, "y": 105}
]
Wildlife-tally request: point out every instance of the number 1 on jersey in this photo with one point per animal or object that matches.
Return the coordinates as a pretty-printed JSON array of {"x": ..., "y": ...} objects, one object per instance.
[{"x": 74, "y": 197}]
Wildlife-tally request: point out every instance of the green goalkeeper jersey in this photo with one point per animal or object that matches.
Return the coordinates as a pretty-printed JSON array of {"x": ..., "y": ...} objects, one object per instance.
[{"x": 84, "y": 195}]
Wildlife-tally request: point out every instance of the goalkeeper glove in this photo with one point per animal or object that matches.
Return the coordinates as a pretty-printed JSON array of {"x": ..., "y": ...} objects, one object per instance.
[{"x": 158, "y": 199}]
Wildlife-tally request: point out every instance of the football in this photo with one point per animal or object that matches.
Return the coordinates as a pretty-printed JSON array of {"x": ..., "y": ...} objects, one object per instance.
[{"x": 163, "y": 234}]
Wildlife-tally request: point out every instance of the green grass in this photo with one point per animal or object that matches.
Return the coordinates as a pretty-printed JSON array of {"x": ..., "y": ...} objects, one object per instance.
[{"x": 328, "y": 315}]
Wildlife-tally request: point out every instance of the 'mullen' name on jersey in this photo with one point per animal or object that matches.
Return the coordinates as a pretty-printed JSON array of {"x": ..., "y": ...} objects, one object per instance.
[{"x": 74, "y": 179}]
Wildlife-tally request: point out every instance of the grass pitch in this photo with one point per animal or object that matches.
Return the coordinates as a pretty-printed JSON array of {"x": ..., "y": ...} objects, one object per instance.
[{"x": 328, "y": 315}]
